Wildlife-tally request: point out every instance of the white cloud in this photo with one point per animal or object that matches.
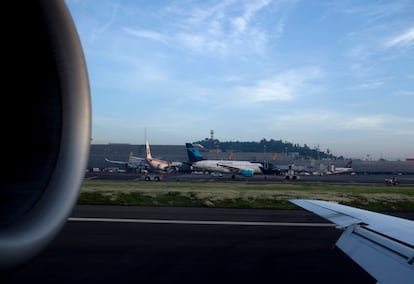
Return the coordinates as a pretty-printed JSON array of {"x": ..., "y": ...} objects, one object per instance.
[
  {"x": 374, "y": 84},
  {"x": 221, "y": 29},
  {"x": 326, "y": 119},
  {"x": 282, "y": 87},
  {"x": 271, "y": 90},
  {"x": 363, "y": 122},
  {"x": 405, "y": 93},
  {"x": 404, "y": 39},
  {"x": 148, "y": 35},
  {"x": 224, "y": 28},
  {"x": 386, "y": 122},
  {"x": 192, "y": 40},
  {"x": 242, "y": 22}
]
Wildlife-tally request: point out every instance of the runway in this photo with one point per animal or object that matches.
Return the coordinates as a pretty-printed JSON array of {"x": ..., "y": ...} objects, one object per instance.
[{"x": 121, "y": 244}]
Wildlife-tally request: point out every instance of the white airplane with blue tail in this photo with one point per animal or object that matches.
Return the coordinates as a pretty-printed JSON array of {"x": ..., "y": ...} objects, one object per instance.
[{"x": 243, "y": 168}]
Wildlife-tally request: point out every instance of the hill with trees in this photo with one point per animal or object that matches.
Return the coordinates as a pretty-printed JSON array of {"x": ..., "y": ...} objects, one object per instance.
[{"x": 269, "y": 146}]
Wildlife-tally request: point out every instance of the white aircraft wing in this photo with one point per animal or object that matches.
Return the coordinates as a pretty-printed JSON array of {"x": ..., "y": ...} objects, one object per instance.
[
  {"x": 116, "y": 162},
  {"x": 134, "y": 162},
  {"x": 381, "y": 244},
  {"x": 134, "y": 159},
  {"x": 233, "y": 169}
]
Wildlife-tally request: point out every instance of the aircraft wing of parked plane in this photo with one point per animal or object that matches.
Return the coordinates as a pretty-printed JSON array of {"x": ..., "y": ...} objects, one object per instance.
[
  {"x": 381, "y": 244},
  {"x": 244, "y": 168},
  {"x": 340, "y": 170},
  {"x": 332, "y": 169},
  {"x": 133, "y": 162}
]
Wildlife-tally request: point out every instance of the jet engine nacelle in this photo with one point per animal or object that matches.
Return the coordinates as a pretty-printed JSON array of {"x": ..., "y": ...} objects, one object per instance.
[
  {"x": 46, "y": 122},
  {"x": 247, "y": 172}
]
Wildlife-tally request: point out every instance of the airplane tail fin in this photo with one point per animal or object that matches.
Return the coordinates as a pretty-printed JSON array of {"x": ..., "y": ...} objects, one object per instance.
[
  {"x": 193, "y": 154},
  {"x": 349, "y": 164},
  {"x": 148, "y": 151}
]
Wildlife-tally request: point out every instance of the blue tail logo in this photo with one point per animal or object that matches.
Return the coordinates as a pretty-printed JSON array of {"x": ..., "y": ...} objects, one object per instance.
[{"x": 193, "y": 154}]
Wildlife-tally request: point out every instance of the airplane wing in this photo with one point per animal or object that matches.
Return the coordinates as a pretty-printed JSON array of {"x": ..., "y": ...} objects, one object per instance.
[
  {"x": 116, "y": 162},
  {"x": 234, "y": 170},
  {"x": 134, "y": 159},
  {"x": 237, "y": 170},
  {"x": 381, "y": 244},
  {"x": 134, "y": 162}
]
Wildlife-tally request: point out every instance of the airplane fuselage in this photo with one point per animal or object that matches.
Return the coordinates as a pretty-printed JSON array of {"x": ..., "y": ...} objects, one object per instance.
[
  {"x": 158, "y": 164},
  {"x": 226, "y": 166}
]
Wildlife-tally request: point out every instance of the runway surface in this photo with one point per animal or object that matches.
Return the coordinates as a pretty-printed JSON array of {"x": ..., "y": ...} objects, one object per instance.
[
  {"x": 340, "y": 178},
  {"x": 120, "y": 244}
]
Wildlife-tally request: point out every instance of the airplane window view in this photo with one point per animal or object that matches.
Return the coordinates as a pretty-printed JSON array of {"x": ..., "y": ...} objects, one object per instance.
[{"x": 205, "y": 141}]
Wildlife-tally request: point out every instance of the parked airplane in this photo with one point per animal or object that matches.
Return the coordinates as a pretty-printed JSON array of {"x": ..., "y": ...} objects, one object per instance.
[
  {"x": 332, "y": 169},
  {"x": 134, "y": 163},
  {"x": 158, "y": 164},
  {"x": 244, "y": 168},
  {"x": 381, "y": 244}
]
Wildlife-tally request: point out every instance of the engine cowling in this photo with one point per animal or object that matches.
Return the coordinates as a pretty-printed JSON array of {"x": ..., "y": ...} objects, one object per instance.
[
  {"x": 247, "y": 172},
  {"x": 46, "y": 130}
]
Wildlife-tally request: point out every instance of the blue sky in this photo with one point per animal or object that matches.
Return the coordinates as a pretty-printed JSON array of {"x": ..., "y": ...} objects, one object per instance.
[{"x": 333, "y": 74}]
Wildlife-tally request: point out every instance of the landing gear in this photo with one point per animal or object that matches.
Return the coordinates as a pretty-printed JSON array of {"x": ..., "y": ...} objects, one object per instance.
[
  {"x": 289, "y": 177},
  {"x": 152, "y": 178}
]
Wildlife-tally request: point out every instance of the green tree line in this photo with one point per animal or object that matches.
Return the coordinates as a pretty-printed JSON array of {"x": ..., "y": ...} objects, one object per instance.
[{"x": 269, "y": 146}]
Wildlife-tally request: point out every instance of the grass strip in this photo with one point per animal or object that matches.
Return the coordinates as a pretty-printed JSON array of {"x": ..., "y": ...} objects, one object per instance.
[{"x": 244, "y": 194}]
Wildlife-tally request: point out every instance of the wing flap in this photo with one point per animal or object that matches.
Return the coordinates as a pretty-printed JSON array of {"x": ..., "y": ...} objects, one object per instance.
[
  {"x": 385, "y": 259},
  {"x": 383, "y": 245}
]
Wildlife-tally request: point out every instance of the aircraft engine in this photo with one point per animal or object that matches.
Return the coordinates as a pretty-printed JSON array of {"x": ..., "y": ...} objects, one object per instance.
[
  {"x": 247, "y": 173},
  {"x": 46, "y": 112}
]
